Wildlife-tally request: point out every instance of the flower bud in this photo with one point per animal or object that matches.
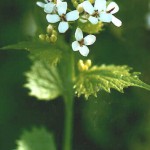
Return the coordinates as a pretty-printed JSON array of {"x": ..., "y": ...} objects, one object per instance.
[
  {"x": 42, "y": 37},
  {"x": 84, "y": 66},
  {"x": 49, "y": 29},
  {"x": 88, "y": 63},
  {"x": 80, "y": 65},
  {"x": 54, "y": 32},
  {"x": 53, "y": 38},
  {"x": 80, "y": 8},
  {"x": 48, "y": 38}
]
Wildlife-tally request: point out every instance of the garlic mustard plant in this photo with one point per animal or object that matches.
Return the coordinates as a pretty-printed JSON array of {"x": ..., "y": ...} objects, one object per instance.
[{"x": 57, "y": 69}]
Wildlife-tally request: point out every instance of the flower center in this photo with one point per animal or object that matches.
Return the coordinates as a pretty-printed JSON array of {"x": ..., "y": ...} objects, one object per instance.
[
  {"x": 63, "y": 17},
  {"x": 81, "y": 42},
  {"x": 95, "y": 14}
]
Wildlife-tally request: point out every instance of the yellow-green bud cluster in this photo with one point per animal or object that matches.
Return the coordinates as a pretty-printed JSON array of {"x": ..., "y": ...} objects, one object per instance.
[
  {"x": 90, "y": 28},
  {"x": 84, "y": 65},
  {"x": 50, "y": 36}
]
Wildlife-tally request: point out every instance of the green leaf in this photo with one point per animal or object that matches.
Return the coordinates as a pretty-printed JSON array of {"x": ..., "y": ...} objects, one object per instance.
[
  {"x": 44, "y": 51},
  {"x": 97, "y": 78},
  {"x": 36, "y": 139},
  {"x": 43, "y": 81}
]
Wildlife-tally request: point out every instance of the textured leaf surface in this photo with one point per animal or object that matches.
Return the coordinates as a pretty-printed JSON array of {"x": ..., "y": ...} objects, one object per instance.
[
  {"x": 36, "y": 139},
  {"x": 39, "y": 50},
  {"x": 97, "y": 78},
  {"x": 43, "y": 81}
]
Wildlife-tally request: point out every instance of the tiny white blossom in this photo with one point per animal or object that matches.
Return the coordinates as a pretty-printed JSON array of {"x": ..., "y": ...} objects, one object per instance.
[
  {"x": 107, "y": 15},
  {"x": 81, "y": 43},
  {"x": 49, "y": 6},
  {"x": 101, "y": 12},
  {"x": 94, "y": 11},
  {"x": 63, "y": 17}
]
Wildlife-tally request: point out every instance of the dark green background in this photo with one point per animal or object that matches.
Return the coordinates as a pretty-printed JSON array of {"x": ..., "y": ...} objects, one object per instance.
[{"x": 112, "y": 121}]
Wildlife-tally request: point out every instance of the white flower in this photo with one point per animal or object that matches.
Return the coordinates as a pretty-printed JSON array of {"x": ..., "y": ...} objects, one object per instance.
[
  {"x": 101, "y": 12},
  {"x": 94, "y": 11},
  {"x": 63, "y": 17},
  {"x": 49, "y": 6},
  {"x": 107, "y": 15},
  {"x": 81, "y": 43}
]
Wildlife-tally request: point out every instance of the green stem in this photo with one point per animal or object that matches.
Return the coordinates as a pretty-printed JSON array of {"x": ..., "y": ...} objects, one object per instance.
[{"x": 69, "y": 103}]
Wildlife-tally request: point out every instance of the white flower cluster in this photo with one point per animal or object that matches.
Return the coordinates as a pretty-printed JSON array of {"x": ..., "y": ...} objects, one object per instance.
[{"x": 99, "y": 12}]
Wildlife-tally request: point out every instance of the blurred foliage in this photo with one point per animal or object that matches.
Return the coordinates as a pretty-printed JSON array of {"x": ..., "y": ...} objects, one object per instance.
[
  {"x": 122, "y": 127},
  {"x": 30, "y": 140},
  {"x": 113, "y": 121}
]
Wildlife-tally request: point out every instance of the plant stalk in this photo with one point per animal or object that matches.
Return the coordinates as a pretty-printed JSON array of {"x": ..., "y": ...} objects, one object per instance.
[
  {"x": 68, "y": 126},
  {"x": 69, "y": 104}
]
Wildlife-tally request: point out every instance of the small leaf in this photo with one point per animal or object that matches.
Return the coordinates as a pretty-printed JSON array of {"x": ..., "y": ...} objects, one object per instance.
[
  {"x": 97, "y": 78},
  {"x": 43, "y": 81},
  {"x": 36, "y": 139},
  {"x": 39, "y": 50}
]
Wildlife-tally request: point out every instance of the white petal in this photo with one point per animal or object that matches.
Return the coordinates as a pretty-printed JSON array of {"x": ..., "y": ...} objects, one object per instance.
[
  {"x": 100, "y": 5},
  {"x": 89, "y": 39},
  {"x": 84, "y": 50},
  {"x": 87, "y": 6},
  {"x": 113, "y": 8},
  {"x": 63, "y": 27},
  {"x": 48, "y": 8},
  {"x": 93, "y": 20},
  {"x": 75, "y": 45},
  {"x": 52, "y": 18},
  {"x": 105, "y": 17},
  {"x": 116, "y": 21},
  {"x": 62, "y": 8},
  {"x": 73, "y": 15},
  {"x": 78, "y": 34},
  {"x": 40, "y": 4},
  {"x": 59, "y": 1}
]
